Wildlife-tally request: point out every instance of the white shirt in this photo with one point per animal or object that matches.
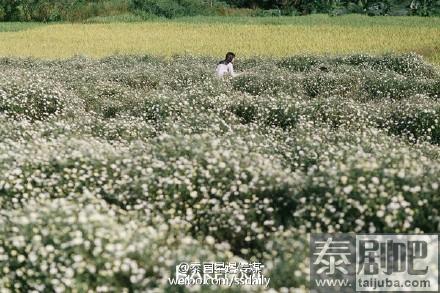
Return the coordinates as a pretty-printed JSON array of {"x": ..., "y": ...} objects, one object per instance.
[{"x": 223, "y": 69}]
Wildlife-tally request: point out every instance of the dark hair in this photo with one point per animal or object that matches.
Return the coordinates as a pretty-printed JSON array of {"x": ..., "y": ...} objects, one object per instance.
[{"x": 228, "y": 59}]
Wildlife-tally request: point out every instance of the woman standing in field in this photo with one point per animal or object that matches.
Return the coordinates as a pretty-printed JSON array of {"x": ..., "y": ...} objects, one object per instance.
[{"x": 226, "y": 66}]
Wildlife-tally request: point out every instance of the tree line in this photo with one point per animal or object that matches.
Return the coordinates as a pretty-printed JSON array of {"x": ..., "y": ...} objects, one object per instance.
[
  {"x": 371, "y": 7},
  {"x": 77, "y": 10}
]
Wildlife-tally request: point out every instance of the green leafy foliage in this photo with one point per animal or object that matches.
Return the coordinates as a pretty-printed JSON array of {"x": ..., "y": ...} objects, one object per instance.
[
  {"x": 137, "y": 10},
  {"x": 172, "y": 8},
  {"x": 65, "y": 10}
]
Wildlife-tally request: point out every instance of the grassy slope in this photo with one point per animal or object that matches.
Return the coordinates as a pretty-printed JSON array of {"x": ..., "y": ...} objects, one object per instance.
[
  {"x": 214, "y": 35},
  {"x": 17, "y": 26},
  {"x": 353, "y": 20}
]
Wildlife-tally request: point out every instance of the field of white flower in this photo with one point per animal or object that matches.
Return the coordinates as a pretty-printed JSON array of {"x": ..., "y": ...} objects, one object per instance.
[{"x": 113, "y": 171}]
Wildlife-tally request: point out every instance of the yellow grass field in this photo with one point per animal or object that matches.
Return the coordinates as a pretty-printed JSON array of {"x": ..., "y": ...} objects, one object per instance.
[{"x": 324, "y": 36}]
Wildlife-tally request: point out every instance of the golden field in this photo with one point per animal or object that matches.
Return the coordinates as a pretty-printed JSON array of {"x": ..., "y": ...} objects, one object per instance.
[{"x": 315, "y": 34}]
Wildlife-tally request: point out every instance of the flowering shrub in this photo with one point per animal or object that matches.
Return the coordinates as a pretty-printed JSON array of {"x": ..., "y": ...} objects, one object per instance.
[
  {"x": 113, "y": 171},
  {"x": 268, "y": 80},
  {"x": 62, "y": 244},
  {"x": 32, "y": 98}
]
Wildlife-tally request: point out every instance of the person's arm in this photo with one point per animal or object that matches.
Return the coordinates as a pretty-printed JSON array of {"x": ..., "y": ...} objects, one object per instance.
[{"x": 231, "y": 70}]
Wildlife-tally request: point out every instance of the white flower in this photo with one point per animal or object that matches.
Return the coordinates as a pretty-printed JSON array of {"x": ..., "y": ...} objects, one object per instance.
[
  {"x": 210, "y": 240},
  {"x": 348, "y": 189}
]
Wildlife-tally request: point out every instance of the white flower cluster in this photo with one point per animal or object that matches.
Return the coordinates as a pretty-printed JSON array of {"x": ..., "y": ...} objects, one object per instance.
[
  {"x": 113, "y": 171},
  {"x": 86, "y": 244},
  {"x": 30, "y": 97}
]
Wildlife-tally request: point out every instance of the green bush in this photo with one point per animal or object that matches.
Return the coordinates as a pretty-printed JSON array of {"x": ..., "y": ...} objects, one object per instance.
[
  {"x": 388, "y": 85},
  {"x": 2, "y": 14},
  {"x": 135, "y": 10},
  {"x": 373, "y": 8},
  {"x": 66, "y": 10},
  {"x": 269, "y": 12},
  {"x": 30, "y": 99},
  {"x": 299, "y": 63},
  {"x": 268, "y": 81},
  {"x": 323, "y": 83},
  {"x": 86, "y": 244},
  {"x": 172, "y": 8},
  {"x": 417, "y": 120}
]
